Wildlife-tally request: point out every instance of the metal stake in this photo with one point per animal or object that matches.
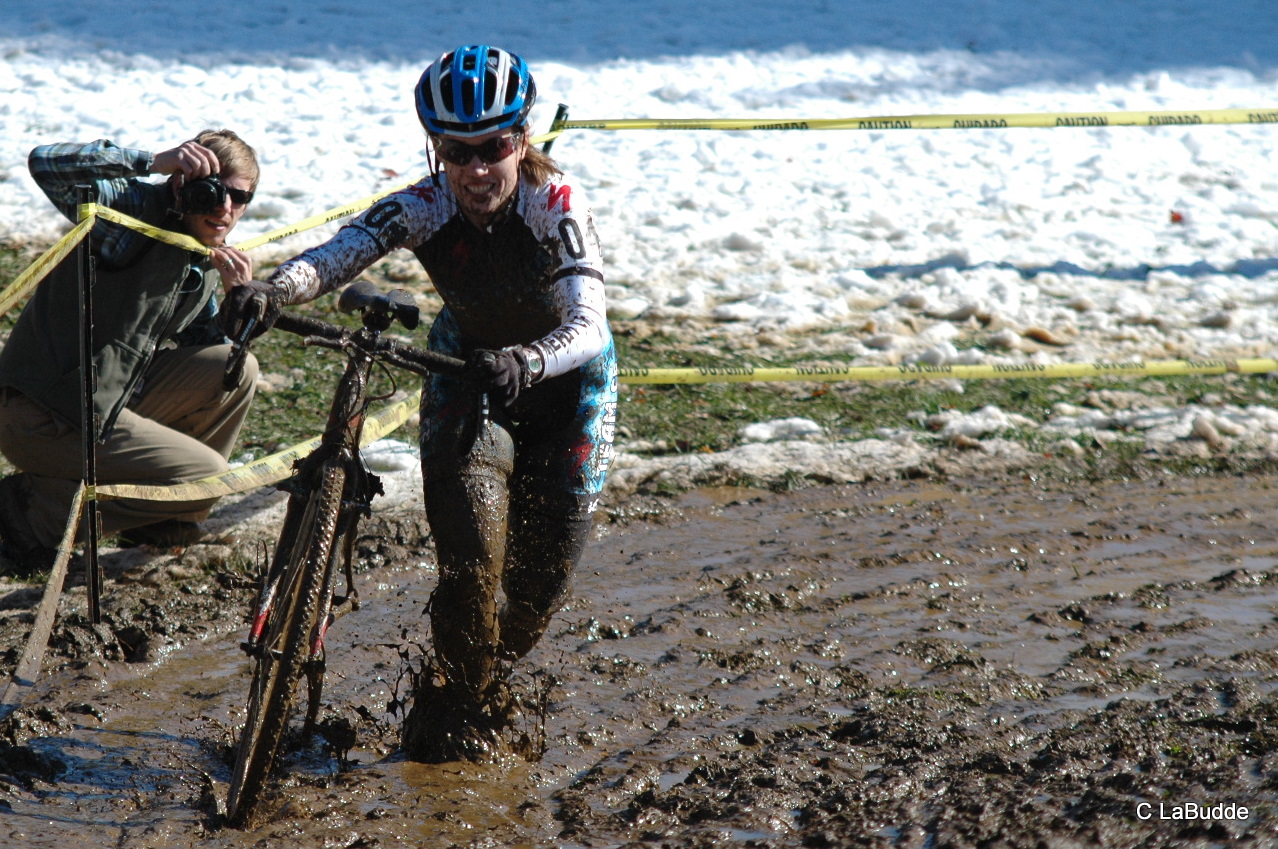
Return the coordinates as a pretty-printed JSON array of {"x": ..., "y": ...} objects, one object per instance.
[{"x": 84, "y": 257}]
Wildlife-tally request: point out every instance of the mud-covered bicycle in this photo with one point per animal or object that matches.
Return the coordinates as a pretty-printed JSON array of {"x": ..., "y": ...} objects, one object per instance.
[{"x": 330, "y": 490}]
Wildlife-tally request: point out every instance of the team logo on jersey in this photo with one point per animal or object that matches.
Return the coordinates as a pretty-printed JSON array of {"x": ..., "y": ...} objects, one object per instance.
[{"x": 557, "y": 195}]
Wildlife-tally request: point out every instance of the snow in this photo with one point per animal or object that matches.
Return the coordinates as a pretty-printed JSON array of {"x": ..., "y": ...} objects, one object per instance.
[{"x": 1068, "y": 244}]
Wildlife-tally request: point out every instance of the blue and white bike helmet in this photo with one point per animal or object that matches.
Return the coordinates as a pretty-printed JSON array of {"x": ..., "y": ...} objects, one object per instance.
[{"x": 474, "y": 90}]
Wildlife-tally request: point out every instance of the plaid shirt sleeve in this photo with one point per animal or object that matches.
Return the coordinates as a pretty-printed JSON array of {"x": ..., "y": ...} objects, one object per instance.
[{"x": 111, "y": 170}]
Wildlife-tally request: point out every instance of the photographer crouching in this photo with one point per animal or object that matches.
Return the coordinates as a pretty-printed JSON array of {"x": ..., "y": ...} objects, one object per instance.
[{"x": 161, "y": 414}]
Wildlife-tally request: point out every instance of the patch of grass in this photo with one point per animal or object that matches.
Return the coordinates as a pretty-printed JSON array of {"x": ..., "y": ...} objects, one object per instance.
[{"x": 707, "y": 417}]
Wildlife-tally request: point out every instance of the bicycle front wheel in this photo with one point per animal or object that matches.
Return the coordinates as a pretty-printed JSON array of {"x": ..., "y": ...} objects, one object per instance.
[{"x": 292, "y": 622}]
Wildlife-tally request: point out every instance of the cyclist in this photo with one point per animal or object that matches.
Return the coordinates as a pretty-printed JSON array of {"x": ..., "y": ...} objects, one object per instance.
[{"x": 508, "y": 242}]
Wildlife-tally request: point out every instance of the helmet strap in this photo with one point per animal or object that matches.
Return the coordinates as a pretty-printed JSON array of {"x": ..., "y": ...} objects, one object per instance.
[{"x": 432, "y": 162}]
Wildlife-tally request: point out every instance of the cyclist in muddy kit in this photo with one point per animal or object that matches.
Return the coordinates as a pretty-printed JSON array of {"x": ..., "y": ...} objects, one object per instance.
[{"x": 511, "y": 483}]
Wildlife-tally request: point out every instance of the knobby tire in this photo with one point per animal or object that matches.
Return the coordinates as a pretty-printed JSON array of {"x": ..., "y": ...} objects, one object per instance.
[{"x": 285, "y": 644}]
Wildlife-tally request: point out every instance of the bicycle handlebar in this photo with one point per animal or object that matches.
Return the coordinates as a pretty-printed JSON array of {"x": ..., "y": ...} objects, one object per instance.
[
  {"x": 379, "y": 312},
  {"x": 425, "y": 359}
]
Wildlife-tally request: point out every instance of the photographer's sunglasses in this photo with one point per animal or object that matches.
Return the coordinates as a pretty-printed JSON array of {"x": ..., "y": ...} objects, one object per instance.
[
  {"x": 490, "y": 152},
  {"x": 239, "y": 197}
]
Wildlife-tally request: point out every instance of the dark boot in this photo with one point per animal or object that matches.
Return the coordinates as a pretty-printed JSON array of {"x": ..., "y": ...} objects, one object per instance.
[
  {"x": 20, "y": 552},
  {"x": 169, "y": 533}
]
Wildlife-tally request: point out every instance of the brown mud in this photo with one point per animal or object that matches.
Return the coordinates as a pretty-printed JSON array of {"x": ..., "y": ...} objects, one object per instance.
[{"x": 992, "y": 662}]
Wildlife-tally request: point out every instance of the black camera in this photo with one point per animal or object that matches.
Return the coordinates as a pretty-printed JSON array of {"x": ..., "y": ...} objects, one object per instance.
[{"x": 200, "y": 197}]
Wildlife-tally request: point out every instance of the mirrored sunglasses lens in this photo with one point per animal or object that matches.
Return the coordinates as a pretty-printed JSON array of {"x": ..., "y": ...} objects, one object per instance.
[
  {"x": 490, "y": 152},
  {"x": 454, "y": 152}
]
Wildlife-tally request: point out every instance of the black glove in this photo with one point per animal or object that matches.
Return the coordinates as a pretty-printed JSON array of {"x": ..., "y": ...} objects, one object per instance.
[
  {"x": 260, "y": 301},
  {"x": 503, "y": 373}
]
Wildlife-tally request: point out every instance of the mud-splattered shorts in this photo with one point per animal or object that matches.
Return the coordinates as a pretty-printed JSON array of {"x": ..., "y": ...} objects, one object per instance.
[{"x": 553, "y": 445}]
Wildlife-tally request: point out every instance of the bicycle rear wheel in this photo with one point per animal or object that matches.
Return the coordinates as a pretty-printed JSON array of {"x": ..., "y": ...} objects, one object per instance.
[{"x": 293, "y": 619}]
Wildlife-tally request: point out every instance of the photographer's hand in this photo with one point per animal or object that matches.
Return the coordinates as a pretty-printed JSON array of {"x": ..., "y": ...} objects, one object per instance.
[
  {"x": 235, "y": 266},
  {"x": 193, "y": 161}
]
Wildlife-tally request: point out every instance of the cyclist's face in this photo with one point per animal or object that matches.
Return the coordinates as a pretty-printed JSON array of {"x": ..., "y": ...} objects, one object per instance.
[
  {"x": 483, "y": 188},
  {"x": 212, "y": 228}
]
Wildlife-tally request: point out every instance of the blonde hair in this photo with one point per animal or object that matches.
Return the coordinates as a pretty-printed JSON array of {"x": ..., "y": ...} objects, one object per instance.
[{"x": 233, "y": 153}]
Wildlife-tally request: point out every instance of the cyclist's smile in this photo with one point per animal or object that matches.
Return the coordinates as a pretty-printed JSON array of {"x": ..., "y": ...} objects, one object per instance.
[{"x": 483, "y": 188}]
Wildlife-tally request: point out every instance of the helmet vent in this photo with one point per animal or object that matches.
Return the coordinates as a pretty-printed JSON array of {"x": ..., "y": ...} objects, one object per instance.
[{"x": 468, "y": 98}]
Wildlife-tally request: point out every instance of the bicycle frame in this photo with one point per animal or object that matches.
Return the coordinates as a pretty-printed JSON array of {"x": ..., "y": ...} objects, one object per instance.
[
  {"x": 330, "y": 490},
  {"x": 340, "y": 441}
]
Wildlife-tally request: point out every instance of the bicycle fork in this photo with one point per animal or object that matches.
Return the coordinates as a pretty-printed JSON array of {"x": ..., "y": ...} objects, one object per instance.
[{"x": 335, "y": 607}]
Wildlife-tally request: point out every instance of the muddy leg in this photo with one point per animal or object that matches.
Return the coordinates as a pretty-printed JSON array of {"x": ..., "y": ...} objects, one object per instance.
[
  {"x": 544, "y": 549},
  {"x": 467, "y": 517}
]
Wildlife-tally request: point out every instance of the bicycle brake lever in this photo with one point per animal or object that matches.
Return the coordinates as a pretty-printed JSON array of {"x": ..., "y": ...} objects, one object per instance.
[{"x": 240, "y": 346}]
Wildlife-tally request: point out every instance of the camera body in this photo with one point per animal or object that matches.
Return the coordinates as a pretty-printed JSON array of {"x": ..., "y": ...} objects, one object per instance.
[{"x": 200, "y": 197}]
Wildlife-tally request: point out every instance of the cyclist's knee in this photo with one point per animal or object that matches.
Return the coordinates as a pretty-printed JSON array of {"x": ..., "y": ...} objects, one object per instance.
[{"x": 522, "y": 626}]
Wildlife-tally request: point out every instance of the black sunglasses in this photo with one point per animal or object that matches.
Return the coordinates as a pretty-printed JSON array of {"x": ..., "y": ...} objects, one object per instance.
[
  {"x": 202, "y": 196},
  {"x": 489, "y": 152}
]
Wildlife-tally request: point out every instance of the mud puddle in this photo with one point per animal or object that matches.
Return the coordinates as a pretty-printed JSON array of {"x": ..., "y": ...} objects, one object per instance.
[{"x": 966, "y": 663}]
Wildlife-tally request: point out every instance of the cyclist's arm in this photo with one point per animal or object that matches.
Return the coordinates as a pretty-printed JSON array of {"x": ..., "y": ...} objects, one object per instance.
[
  {"x": 561, "y": 213},
  {"x": 387, "y": 225},
  {"x": 583, "y": 330}
]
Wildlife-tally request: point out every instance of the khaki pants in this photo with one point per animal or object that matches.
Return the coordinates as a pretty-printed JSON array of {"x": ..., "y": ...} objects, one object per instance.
[{"x": 182, "y": 428}]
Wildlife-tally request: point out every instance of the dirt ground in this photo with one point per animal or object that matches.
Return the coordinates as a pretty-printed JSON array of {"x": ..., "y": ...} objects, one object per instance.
[{"x": 984, "y": 661}]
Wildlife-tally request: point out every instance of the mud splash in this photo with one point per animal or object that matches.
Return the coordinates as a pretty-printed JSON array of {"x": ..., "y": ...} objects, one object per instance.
[{"x": 917, "y": 664}]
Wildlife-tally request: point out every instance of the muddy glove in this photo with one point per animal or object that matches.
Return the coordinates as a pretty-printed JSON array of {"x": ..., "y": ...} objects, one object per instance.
[
  {"x": 251, "y": 300},
  {"x": 503, "y": 373}
]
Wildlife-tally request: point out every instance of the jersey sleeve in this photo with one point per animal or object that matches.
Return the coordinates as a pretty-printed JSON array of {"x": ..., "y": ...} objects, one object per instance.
[
  {"x": 401, "y": 219},
  {"x": 578, "y": 279}
]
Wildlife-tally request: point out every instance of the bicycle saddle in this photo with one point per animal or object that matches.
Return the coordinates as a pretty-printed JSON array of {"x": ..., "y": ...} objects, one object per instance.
[{"x": 362, "y": 296}]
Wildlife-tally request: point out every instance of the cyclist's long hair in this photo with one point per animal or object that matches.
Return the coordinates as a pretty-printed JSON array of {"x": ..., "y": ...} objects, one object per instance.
[{"x": 537, "y": 166}]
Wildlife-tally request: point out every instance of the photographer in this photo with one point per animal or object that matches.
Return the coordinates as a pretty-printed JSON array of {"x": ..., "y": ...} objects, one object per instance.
[{"x": 161, "y": 415}]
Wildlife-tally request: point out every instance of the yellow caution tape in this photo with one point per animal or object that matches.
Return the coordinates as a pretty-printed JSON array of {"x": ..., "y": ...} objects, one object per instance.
[
  {"x": 319, "y": 220},
  {"x": 182, "y": 240},
  {"x": 36, "y": 271},
  {"x": 263, "y": 472},
  {"x": 278, "y": 466},
  {"x": 1267, "y": 115},
  {"x": 177, "y": 240},
  {"x": 916, "y": 371}
]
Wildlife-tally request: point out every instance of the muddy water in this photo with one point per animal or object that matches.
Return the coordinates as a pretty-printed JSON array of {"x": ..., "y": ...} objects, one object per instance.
[{"x": 906, "y": 664}]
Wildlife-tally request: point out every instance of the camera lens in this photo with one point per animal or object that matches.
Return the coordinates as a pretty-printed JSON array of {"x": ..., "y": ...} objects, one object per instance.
[{"x": 200, "y": 197}]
